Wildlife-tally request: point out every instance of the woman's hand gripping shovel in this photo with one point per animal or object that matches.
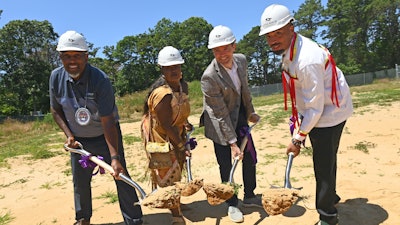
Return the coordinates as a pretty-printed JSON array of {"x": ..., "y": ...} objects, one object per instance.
[
  {"x": 192, "y": 186},
  {"x": 219, "y": 193},
  {"x": 171, "y": 203},
  {"x": 278, "y": 199}
]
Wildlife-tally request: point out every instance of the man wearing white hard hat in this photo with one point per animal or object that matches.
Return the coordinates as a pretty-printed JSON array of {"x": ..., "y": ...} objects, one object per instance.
[
  {"x": 321, "y": 101},
  {"x": 83, "y": 105},
  {"x": 227, "y": 109}
]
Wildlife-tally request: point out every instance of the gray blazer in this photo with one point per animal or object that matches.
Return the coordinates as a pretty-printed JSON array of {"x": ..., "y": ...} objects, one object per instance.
[{"x": 221, "y": 101}]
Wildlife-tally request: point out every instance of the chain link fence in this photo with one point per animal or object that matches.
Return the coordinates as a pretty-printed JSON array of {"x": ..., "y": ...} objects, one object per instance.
[{"x": 352, "y": 80}]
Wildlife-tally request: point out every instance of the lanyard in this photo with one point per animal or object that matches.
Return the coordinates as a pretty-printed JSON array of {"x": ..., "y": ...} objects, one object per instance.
[{"x": 74, "y": 96}]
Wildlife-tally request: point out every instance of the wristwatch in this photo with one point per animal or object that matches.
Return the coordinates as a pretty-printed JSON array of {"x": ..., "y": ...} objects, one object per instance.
[
  {"x": 117, "y": 157},
  {"x": 296, "y": 142}
]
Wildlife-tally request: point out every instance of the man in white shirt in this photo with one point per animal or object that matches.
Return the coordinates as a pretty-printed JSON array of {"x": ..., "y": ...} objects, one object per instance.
[{"x": 320, "y": 99}]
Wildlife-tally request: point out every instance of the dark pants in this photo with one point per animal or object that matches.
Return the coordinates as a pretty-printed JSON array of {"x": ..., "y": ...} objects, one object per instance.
[
  {"x": 325, "y": 144},
  {"x": 127, "y": 196},
  {"x": 224, "y": 159}
]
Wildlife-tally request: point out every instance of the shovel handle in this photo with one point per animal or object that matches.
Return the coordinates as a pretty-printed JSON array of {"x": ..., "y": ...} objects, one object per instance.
[
  {"x": 287, "y": 171},
  {"x": 188, "y": 169},
  {"x": 107, "y": 167},
  {"x": 188, "y": 158},
  {"x": 242, "y": 146}
]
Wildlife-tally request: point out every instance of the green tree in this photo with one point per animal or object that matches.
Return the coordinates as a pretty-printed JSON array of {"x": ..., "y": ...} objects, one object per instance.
[
  {"x": 27, "y": 57},
  {"x": 263, "y": 67},
  {"x": 309, "y": 18},
  {"x": 193, "y": 44},
  {"x": 348, "y": 24},
  {"x": 136, "y": 56},
  {"x": 384, "y": 34}
]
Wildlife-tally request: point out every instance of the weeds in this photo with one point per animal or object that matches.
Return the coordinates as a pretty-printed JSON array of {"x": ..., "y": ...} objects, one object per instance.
[
  {"x": 19, "y": 181},
  {"x": 363, "y": 146},
  {"x": 6, "y": 218},
  {"x": 129, "y": 139},
  {"x": 111, "y": 196}
]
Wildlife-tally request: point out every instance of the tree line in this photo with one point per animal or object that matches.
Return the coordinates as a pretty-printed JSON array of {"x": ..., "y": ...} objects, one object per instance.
[{"x": 362, "y": 35}]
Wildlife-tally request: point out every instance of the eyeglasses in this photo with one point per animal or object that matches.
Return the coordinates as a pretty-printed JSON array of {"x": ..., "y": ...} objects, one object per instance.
[{"x": 68, "y": 57}]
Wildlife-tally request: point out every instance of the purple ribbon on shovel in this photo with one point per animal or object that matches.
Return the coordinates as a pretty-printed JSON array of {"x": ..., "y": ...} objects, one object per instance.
[
  {"x": 249, "y": 145},
  {"x": 292, "y": 125},
  {"x": 87, "y": 163},
  {"x": 192, "y": 142}
]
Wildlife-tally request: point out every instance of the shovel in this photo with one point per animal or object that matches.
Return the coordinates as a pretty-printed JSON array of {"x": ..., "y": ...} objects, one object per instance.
[
  {"x": 188, "y": 158},
  {"x": 287, "y": 183},
  {"x": 107, "y": 167},
  {"x": 160, "y": 198},
  {"x": 242, "y": 146},
  {"x": 192, "y": 186},
  {"x": 278, "y": 200}
]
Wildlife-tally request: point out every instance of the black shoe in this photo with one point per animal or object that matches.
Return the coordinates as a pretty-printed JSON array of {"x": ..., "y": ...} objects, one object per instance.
[
  {"x": 337, "y": 199},
  {"x": 82, "y": 222}
]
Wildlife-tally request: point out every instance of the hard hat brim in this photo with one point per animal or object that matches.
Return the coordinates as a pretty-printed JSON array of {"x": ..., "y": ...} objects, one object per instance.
[
  {"x": 171, "y": 63},
  {"x": 72, "y": 49},
  {"x": 270, "y": 29},
  {"x": 275, "y": 27},
  {"x": 211, "y": 46}
]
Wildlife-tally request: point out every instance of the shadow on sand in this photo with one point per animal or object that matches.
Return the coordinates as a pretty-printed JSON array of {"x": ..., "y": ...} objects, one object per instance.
[{"x": 359, "y": 211}]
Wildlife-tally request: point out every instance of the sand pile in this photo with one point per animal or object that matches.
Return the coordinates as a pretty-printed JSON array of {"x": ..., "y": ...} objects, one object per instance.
[
  {"x": 188, "y": 189},
  {"x": 167, "y": 197},
  {"x": 218, "y": 193},
  {"x": 278, "y": 201}
]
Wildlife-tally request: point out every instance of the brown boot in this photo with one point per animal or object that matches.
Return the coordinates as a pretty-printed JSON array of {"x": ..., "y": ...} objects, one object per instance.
[{"x": 82, "y": 222}]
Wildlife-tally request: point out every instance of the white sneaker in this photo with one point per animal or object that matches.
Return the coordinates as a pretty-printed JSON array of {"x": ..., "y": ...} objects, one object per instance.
[{"x": 235, "y": 214}]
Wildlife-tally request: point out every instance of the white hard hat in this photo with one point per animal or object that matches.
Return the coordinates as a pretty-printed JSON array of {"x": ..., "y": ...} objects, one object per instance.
[
  {"x": 274, "y": 17},
  {"x": 220, "y": 36},
  {"x": 72, "y": 41},
  {"x": 169, "y": 56}
]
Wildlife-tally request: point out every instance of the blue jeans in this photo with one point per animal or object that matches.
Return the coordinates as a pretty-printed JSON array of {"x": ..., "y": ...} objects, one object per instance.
[{"x": 132, "y": 214}]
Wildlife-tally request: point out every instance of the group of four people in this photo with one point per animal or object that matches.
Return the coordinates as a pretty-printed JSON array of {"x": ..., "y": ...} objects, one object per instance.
[{"x": 83, "y": 105}]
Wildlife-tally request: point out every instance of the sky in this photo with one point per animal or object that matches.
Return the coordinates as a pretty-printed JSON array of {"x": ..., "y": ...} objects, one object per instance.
[{"x": 104, "y": 23}]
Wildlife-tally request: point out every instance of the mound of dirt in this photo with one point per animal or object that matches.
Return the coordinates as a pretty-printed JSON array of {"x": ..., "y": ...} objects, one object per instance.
[
  {"x": 218, "y": 193},
  {"x": 167, "y": 197},
  {"x": 278, "y": 201},
  {"x": 188, "y": 189}
]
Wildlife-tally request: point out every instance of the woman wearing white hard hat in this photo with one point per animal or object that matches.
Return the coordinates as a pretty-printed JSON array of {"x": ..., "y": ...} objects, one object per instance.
[
  {"x": 320, "y": 98},
  {"x": 165, "y": 120}
]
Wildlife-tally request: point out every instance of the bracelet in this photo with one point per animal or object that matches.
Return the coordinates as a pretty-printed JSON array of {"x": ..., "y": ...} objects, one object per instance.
[
  {"x": 296, "y": 142},
  {"x": 117, "y": 157}
]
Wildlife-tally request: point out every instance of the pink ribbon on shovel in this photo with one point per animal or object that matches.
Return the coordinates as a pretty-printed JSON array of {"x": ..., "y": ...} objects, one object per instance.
[{"x": 87, "y": 163}]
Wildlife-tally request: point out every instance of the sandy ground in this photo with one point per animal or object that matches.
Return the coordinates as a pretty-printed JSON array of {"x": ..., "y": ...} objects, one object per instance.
[{"x": 40, "y": 192}]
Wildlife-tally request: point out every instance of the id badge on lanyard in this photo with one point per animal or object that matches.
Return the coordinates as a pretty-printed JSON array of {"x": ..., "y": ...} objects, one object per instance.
[{"x": 82, "y": 114}]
